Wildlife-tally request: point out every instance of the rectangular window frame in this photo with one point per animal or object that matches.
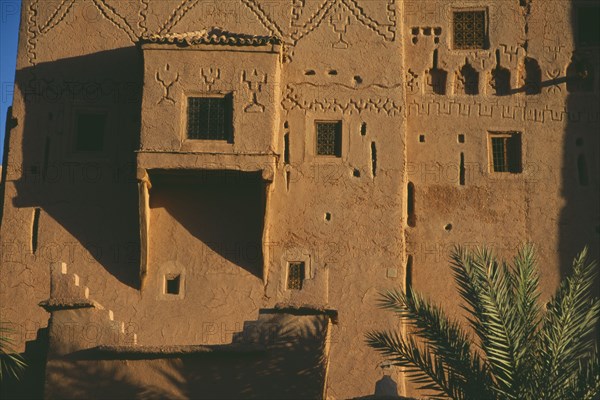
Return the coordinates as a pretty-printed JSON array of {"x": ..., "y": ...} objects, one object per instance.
[
  {"x": 75, "y": 135},
  {"x": 228, "y": 136},
  {"x": 295, "y": 282},
  {"x": 512, "y": 152},
  {"x": 486, "y": 31},
  {"x": 585, "y": 9},
  {"x": 339, "y": 137}
]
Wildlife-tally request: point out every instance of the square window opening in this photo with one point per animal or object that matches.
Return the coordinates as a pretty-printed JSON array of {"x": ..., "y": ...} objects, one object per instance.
[
  {"x": 172, "y": 284},
  {"x": 295, "y": 278},
  {"x": 505, "y": 152},
  {"x": 588, "y": 28},
  {"x": 329, "y": 138},
  {"x": 210, "y": 118},
  {"x": 90, "y": 129},
  {"x": 470, "y": 30}
]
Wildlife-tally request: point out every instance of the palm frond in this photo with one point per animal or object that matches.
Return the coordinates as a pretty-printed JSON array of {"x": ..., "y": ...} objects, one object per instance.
[
  {"x": 586, "y": 385},
  {"x": 420, "y": 363},
  {"x": 11, "y": 363},
  {"x": 527, "y": 317},
  {"x": 527, "y": 355},
  {"x": 566, "y": 334},
  {"x": 488, "y": 287},
  {"x": 446, "y": 337}
]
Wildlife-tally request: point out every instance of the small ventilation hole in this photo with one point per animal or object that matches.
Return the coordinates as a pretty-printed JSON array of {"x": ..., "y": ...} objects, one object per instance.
[
  {"x": 327, "y": 216},
  {"x": 309, "y": 72},
  {"x": 356, "y": 173},
  {"x": 422, "y": 138},
  {"x": 332, "y": 72},
  {"x": 582, "y": 171},
  {"x": 448, "y": 227},
  {"x": 358, "y": 80},
  {"x": 373, "y": 159},
  {"x": 34, "y": 230},
  {"x": 409, "y": 273},
  {"x": 461, "y": 138},
  {"x": 286, "y": 149},
  {"x": 410, "y": 205},
  {"x": 172, "y": 284},
  {"x": 461, "y": 173}
]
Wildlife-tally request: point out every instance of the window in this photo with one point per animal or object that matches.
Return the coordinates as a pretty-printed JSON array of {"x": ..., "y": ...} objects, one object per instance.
[
  {"x": 172, "y": 284},
  {"x": 295, "y": 277},
  {"x": 470, "y": 30},
  {"x": 588, "y": 28},
  {"x": 90, "y": 128},
  {"x": 329, "y": 138},
  {"x": 209, "y": 118},
  {"x": 505, "y": 152}
]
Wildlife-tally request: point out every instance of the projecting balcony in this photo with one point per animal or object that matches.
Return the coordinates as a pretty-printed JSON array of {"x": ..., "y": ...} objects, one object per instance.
[{"x": 210, "y": 101}]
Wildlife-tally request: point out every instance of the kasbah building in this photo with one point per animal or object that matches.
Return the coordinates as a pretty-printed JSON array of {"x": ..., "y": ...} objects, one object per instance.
[{"x": 203, "y": 199}]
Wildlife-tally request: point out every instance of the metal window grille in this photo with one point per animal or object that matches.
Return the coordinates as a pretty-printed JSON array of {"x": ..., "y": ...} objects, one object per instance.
[
  {"x": 588, "y": 27},
  {"x": 329, "y": 139},
  {"x": 295, "y": 275},
  {"x": 90, "y": 131},
  {"x": 506, "y": 152},
  {"x": 209, "y": 118},
  {"x": 469, "y": 30}
]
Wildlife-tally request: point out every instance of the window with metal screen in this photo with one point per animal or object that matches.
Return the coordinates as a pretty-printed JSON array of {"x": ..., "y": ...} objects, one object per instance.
[
  {"x": 295, "y": 275},
  {"x": 469, "y": 30},
  {"x": 329, "y": 138},
  {"x": 588, "y": 28},
  {"x": 209, "y": 118},
  {"x": 90, "y": 128},
  {"x": 505, "y": 152}
]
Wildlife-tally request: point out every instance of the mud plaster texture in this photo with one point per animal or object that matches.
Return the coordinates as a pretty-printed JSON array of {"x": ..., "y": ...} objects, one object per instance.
[{"x": 413, "y": 177}]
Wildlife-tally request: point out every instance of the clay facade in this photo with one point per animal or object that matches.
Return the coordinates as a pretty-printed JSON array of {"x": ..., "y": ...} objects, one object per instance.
[{"x": 360, "y": 140}]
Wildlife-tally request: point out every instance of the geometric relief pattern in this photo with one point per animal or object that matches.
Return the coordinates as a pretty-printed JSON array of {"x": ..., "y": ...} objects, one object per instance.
[
  {"x": 301, "y": 22},
  {"x": 342, "y": 98}
]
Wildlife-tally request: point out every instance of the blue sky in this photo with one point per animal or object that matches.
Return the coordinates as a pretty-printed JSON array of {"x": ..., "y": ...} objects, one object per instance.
[{"x": 10, "y": 11}]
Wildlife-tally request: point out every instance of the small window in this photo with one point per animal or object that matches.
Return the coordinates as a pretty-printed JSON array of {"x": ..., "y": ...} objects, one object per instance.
[
  {"x": 505, "y": 152},
  {"x": 209, "y": 118},
  {"x": 329, "y": 138},
  {"x": 90, "y": 128},
  {"x": 295, "y": 275},
  {"x": 588, "y": 28},
  {"x": 172, "y": 284},
  {"x": 470, "y": 30}
]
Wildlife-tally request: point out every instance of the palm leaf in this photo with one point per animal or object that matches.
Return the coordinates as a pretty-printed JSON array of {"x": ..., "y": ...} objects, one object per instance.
[
  {"x": 422, "y": 366},
  {"x": 11, "y": 363},
  {"x": 567, "y": 332},
  {"x": 448, "y": 340},
  {"x": 488, "y": 287}
]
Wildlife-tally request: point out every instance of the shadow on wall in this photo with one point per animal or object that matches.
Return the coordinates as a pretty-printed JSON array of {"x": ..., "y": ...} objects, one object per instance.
[
  {"x": 290, "y": 364},
  {"x": 81, "y": 130},
  {"x": 223, "y": 209},
  {"x": 33, "y": 377},
  {"x": 580, "y": 216}
]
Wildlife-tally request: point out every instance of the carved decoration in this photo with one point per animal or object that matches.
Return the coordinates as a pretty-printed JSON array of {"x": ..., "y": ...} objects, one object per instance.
[
  {"x": 343, "y": 98},
  {"x": 338, "y": 12},
  {"x": 167, "y": 79},
  {"x": 255, "y": 81},
  {"x": 210, "y": 76},
  {"x": 339, "y": 21},
  {"x": 412, "y": 82}
]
